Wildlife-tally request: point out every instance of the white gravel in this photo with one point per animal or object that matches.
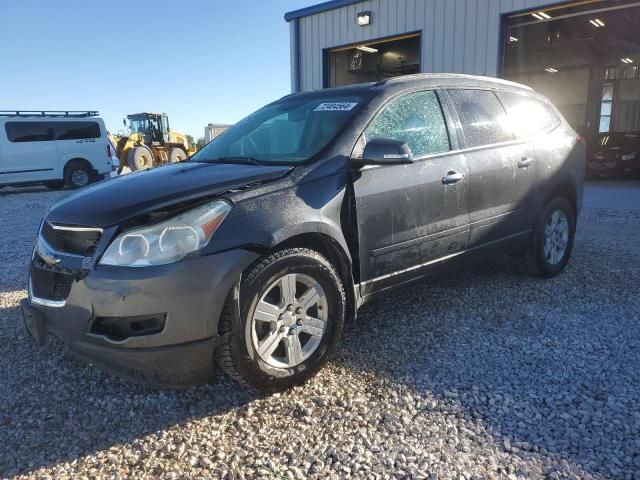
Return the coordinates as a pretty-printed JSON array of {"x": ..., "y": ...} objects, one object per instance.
[{"x": 483, "y": 374}]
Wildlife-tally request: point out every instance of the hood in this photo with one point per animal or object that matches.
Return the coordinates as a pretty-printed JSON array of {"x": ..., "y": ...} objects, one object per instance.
[{"x": 113, "y": 201}]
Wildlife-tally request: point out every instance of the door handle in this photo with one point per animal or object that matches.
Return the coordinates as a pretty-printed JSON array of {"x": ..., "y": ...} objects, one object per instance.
[
  {"x": 452, "y": 177},
  {"x": 524, "y": 162}
]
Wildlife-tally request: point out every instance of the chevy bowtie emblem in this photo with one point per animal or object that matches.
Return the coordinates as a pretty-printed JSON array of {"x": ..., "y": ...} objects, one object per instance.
[{"x": 46, "y": 254}]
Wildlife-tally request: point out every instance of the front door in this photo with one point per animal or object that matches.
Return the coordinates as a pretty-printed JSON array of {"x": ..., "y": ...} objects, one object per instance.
[
  {"x": 409, "y": 216},
  {"x": 502, "y": 171},
  {"x": 30, "y": 153}
]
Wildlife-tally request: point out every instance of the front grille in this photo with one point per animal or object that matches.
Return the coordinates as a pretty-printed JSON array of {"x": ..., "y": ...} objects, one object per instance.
[
  {"x": 78, "y": 242},
  {"x": 50, "y": 285}
]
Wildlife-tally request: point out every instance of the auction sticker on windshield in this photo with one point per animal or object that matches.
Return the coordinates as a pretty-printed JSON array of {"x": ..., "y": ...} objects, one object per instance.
[{"x": 335, "y": 107}]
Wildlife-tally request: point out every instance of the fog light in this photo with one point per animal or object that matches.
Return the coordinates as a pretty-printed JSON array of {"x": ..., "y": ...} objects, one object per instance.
[{"x": 121, "y": 328}]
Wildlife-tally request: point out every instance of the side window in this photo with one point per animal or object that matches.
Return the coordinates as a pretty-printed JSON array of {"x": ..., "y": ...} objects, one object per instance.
[
  {"x": 415, "y": 118},
  {"x": 483, "y": 119},
  {"x": 77, "y": 130},
  {"x": 29, "y": 131},
  {"x": 528, "y": 115}
]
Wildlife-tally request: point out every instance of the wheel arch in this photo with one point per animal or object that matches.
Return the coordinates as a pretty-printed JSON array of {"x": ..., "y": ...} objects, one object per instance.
[
  {"x": 78, "y": 160},
  {"x": 331, "y": 248},
  {"x": 565, "y": 189}
]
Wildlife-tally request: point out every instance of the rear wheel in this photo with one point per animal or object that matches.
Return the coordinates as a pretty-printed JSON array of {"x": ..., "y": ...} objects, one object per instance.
[
  {"x": 77, "y": 175},
  {"x": 177, "y": 154},
  {"x": 552, "y": 240},
  {"x": 140, "y": 158},
  {"x": 292, "y": 307}
]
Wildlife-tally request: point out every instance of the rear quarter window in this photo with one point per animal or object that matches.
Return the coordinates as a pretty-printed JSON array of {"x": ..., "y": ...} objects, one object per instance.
[
  {"x": 484, "y": 120},
  {"x": 29, "y": 131},
  {"x": 77, "y": 130},
  {"x": 528, "y": 116}
]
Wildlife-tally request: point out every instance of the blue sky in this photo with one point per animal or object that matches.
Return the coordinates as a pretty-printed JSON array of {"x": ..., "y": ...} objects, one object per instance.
[{"x": 199, "y": 61}]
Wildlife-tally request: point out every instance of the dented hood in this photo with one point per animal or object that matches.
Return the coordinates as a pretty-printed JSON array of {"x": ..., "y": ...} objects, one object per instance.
[{"x": 113, "y": 201}]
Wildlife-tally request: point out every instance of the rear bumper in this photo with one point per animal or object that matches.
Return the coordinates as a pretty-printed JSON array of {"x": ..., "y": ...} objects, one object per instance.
[{"x": 189, "y": 295}]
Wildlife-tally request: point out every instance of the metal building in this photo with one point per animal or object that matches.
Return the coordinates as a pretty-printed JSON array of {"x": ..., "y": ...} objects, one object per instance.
[
  {"x": 583, "y": 54},
  {"x": 212, "y": 130}
]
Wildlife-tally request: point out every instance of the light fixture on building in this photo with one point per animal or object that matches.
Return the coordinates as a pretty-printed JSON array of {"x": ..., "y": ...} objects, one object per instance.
[
  {"x": 626, "y": 60},
  {"x": 512, "y": 39},
  {"x": 363, "y": 18},
  {"x": 596, "y": 22},
  {"x": 364, "y": 48},
  {"x": 551, "y": 70},
  {"x": 541, "y": 15}
]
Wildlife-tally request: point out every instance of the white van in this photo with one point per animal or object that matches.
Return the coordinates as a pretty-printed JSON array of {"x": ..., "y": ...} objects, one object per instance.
[{"x": 53, "y": 148}]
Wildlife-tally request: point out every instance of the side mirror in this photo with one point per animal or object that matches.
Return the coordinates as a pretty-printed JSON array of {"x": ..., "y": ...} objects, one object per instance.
[{"x": 383, "y": 151}]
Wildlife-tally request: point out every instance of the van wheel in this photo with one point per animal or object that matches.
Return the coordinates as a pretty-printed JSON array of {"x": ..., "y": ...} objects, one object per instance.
[
  {"x": 292, "y": 307},
  {"x": 54, "y": 184},
  {"x": 552, "y": 241},
  {"x": 177, "y": 155},
  {"x": 77, "y": 175},
  {"x": 140, "y": 158}
]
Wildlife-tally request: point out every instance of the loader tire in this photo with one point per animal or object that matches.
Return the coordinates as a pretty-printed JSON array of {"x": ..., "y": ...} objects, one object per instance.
[
  {"x": 177, "y": 154},
  {"x": 140, "y": 158}
]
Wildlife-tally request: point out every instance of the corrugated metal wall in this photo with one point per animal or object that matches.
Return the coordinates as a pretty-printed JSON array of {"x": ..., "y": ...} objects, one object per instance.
[{"x": 460, "y": 36}]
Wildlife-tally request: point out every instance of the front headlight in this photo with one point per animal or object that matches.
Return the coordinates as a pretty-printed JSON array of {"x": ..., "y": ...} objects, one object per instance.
[{"x": 169, "y": 241}]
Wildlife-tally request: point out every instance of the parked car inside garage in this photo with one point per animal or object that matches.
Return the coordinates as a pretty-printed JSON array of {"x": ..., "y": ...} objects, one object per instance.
[
  {"x": 614, "y": 154},
  {"x": 256, "y": 250}
]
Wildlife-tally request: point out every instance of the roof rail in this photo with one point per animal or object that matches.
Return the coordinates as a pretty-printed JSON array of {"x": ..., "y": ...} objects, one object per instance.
[{"x": 49, "y": 113}]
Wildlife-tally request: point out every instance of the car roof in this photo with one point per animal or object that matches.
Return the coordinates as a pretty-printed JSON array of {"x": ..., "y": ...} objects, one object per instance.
[{"x": 427, "y": 80}]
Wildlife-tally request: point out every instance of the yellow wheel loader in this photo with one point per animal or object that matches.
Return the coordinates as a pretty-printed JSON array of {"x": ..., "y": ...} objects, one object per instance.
[{"x": 150, "y": 143}]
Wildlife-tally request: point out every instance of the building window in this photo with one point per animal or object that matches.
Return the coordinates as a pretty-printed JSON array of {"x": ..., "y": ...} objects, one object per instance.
[{"x": 605, "y": 107}]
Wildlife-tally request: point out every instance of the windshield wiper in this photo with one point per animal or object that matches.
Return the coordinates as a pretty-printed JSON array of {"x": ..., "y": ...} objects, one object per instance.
[{"x": 238, "y": 160}]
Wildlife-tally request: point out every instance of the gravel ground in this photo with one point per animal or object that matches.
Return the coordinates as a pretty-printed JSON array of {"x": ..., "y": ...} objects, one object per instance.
[{"x": 483, "y": 374}]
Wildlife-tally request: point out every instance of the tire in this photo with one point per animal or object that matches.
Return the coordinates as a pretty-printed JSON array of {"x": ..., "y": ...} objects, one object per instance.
[
  {"x": 54, "y": 184},
  {"x": 140, "y": 158},
  {"x": 548, "y": 263},
  {"x": 177, "y": 154},
  {"x": 239, "y": 355},
  {"x": 77, "y": 175}
]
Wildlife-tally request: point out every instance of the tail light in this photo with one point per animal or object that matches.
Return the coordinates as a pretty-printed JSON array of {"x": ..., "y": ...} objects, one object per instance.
[
  {"x": 109, "y": 150},
  {"x": 581, "y": 140}
]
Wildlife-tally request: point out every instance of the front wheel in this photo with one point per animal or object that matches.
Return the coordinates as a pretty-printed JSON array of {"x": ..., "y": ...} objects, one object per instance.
[
  {"x": 552, "y": 240},
  {"x": 292, "y": 308}
]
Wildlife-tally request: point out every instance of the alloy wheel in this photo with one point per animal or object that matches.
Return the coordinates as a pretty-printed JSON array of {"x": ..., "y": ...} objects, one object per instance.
[
  {"x": 556, "y": 237},
  {"x": 289, "y": 320}
]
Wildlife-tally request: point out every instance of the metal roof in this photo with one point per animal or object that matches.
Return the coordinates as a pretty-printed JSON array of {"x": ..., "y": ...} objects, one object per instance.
[{"x": 321, "y": 7}]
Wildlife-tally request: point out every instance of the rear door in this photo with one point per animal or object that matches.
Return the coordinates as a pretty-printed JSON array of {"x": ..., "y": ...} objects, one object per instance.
[
  {"x": 407, "y": 217},
  {"x": 29, "y": 151},
  {"x": 82, "y": 139},
  {"x": 502, "y": 170}
]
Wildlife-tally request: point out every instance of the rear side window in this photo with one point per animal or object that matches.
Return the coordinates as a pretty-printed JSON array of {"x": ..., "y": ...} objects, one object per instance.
[
  {"x": 415, "y": 118},
  {"x": 482, "y": 116},
  {"x": 528, "y": 115},
  {"x": 76, "y": 130},
  {"x": 29, "y": 131}
]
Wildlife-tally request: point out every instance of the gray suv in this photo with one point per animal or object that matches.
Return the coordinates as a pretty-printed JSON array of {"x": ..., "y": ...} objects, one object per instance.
[{"x": 255, "y": 251}]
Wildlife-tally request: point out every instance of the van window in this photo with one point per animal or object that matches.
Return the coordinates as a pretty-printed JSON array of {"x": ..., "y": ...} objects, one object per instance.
[
  {"x": 483, "y": 118},
  {"x": 415, "y": 118},
  {"x": 29, "y": 131},
  {"x": 76, "y": 130},
  {"x": 528, "y": 115}
]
